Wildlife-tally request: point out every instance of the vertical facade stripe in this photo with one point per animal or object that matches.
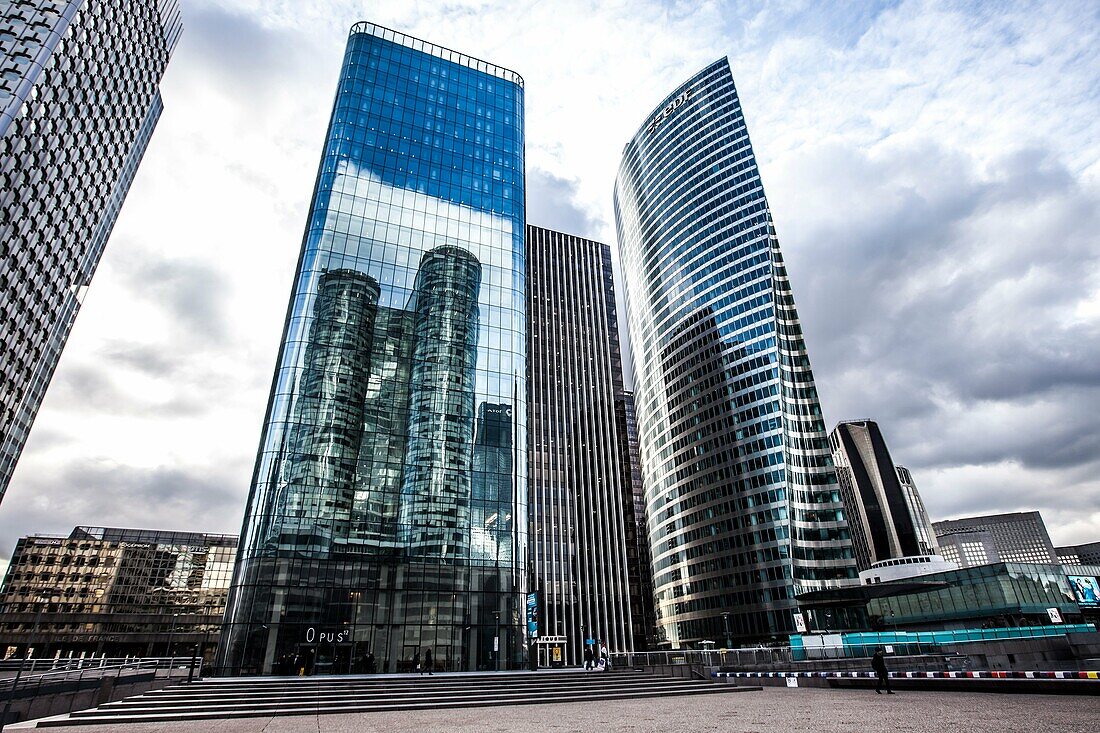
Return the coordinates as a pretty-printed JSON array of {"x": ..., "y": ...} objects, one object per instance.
[{"x": 578, "y": 538}]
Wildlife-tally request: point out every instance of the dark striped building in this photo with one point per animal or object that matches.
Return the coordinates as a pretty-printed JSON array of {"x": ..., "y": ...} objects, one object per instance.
[{"x": 585, "y": 549}]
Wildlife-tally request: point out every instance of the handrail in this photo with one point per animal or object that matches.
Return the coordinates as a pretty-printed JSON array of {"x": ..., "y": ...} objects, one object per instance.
[
  {"x": 98, "y": 670},
  {"x": 43, "y": 685}
]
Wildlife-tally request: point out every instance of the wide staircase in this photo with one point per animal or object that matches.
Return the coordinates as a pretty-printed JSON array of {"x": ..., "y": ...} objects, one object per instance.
[{"x": 243, "y": 697}]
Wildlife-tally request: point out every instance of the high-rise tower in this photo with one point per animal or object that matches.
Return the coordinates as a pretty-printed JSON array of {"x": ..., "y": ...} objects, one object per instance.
[
  {"x": 886, "y": 516},
  {"x": 743, "y": 506},
  {"x": 393, "y": 457},
  {"x": 581, "y": 505},
  {"x": 79, "y": 99}
]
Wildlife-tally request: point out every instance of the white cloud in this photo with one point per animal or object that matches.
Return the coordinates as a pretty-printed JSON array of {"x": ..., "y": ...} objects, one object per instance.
[{"x": 932, "y": 169}]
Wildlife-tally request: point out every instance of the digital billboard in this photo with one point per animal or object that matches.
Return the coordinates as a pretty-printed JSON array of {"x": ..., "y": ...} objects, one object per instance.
[{"x": 1086, "y": 589}]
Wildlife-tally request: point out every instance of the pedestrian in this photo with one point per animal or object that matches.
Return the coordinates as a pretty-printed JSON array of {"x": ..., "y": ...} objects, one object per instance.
[
  {"x": 588, "y": 657},
  {"x": 371, "y": 664},
  {"x": 605, "y": 658},
  {"x": 878, "y": 663},
  {"x": 428, "y": 659},
  {"x": 416, "y": 661}
]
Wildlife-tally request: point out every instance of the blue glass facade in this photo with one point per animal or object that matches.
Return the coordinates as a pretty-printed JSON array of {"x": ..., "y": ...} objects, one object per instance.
[
  {"x": 743, "y": 507},
  {"x": 392, "y": 465}
]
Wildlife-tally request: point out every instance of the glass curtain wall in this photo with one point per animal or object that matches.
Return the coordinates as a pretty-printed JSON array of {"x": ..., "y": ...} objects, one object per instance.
[
  {"x": 743, "y": 507},
  {"x": 386, "y": 511}
]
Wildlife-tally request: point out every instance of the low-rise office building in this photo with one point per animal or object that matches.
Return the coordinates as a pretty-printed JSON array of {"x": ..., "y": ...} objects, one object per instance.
[
  {"x": 1087, "y": 554},
  {"x": 1019, "y": 537},
  {"x": 998, "y": 595},
  {"x": 116, "y": 592}
]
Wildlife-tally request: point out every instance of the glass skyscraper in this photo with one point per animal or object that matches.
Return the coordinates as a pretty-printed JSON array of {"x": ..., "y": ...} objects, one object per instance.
[
  {"x": 743, "y": 507},
  {"x": 79, "y": 99},
  {"x": 388, "y": 506}
]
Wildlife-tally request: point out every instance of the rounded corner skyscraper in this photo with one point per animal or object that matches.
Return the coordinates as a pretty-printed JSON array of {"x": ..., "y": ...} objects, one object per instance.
[
  {"x": 388, "y": 504},
  {"x": 743, "y": 505}
]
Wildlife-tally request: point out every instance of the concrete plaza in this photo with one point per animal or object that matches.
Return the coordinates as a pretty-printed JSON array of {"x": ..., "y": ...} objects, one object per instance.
[{"x": 771, "y": 709}]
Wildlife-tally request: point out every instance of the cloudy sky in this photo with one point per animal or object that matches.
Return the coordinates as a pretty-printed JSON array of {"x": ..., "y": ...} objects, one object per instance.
[{"x": 932, "y": 168}]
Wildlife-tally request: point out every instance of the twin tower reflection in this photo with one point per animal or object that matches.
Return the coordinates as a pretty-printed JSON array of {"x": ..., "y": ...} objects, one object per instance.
[{"x": 385, "y": 452}]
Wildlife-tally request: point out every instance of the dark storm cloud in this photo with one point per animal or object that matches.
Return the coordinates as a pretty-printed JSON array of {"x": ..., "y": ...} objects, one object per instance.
[
  {"x": 87, "y": 491},
  {"x": 939, "y": 297},
  {"x": 552, "y": 203}
]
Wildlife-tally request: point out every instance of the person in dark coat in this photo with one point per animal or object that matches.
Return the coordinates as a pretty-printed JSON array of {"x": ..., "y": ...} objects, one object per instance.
[
  {"x": 588, "y": 657},
  {"x": 428, "y": 659},
  {"x": 878, "y": 663},
  {"x": 416, "y": 661}
]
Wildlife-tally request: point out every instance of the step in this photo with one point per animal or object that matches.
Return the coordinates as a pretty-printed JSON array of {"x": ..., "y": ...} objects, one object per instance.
[
  {"x": 194, "y": 693},
  {"x": 107, "y": 717},
  {"x": 146, "y": 703}
]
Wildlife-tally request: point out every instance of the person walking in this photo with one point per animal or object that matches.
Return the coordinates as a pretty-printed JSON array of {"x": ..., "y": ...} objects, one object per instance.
[
  {"x": 428, "y": 659},
  {"x": 878, "y": 663},
  {"x": 588, "y": 657},
  {"x": 605, "y": 658},
  {"x": 416, "y": 662}
]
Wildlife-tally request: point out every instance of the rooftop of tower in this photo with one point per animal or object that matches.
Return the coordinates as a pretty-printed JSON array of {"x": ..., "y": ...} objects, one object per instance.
[{"x": 442, "y": 52}]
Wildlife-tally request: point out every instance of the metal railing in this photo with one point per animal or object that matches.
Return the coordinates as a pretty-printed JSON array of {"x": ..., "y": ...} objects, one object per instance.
[
  {"x": 43, "y": 678},
  {"x": 705, "y": 657},
  {"x": 31, "y": 665}
]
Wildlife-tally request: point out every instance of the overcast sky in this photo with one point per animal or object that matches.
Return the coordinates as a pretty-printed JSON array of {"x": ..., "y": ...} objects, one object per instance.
[{"x": 932, "y": 169}]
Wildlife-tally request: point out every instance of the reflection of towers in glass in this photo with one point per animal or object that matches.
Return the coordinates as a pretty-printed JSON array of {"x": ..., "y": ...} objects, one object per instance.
[
  {"x": 385, "y": 425},
  {"x": 447, "y": 254},
  {"x": 320, "y": 475},
  {"x": 435, "y": 498},
  {"x": 491, "y": 505}
]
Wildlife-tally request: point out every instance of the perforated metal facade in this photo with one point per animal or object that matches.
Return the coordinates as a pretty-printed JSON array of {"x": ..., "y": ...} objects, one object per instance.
[
  {"x": 79, "y": 99},
  {"x": 1017, "y": 537}
]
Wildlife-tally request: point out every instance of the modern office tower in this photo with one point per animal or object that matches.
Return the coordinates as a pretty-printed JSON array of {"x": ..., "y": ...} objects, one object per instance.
[
  {"x": 643, "y": 615},
  {"x": 116, "y": 592},
  {"x": 579, "y": 505},
  {"x": 79, "y": 98},
  {"x": 1016, "y": 537},
  {"x": 922, "y": 523},
  {"x": 392, "y": 463},
  {"x": 880, "y": 509},
  {"x": 1087, "y": 554},
  {"x": 743, "y": 506}
]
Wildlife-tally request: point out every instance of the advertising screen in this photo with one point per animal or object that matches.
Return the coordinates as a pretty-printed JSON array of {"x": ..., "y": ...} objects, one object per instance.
[
  {"x": 1086, "y": 589},
  {"x": 533, "y": 615}
]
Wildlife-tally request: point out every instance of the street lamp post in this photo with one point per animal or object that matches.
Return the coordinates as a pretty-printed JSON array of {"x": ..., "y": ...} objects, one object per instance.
[
  {"x": 726, "y": 625},
  {"x": 201, "y": 651},
  {"x": 496, "y": 641},
  {"x": 43, "y": 598},
  {"x": 171, "y": 634}
]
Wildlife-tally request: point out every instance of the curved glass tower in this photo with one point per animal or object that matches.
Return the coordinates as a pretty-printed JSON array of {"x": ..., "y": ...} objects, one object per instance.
[
  {"x": 392, "y": 464},
  {"x": 743, "y": 505}
]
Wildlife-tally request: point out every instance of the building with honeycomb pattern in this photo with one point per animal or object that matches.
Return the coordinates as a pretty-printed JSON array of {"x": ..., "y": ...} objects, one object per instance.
[{"x": 79, "y": 98}]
